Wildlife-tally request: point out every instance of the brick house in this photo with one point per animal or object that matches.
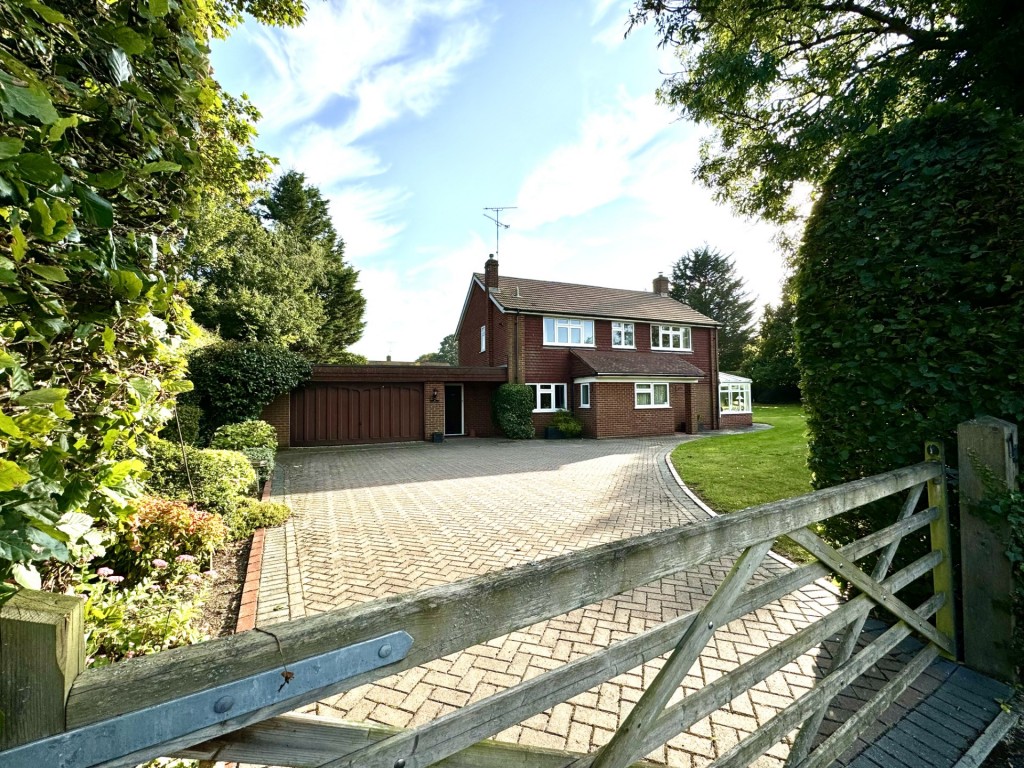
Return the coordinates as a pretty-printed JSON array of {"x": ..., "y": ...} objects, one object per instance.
[{"x": 627, "y": 363}]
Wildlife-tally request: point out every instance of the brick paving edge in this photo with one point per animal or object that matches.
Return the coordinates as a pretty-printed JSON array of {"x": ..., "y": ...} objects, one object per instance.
[{"x": 253, "y": 571}]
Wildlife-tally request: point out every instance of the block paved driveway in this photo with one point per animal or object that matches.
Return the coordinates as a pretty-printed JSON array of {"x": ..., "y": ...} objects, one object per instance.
[{"x": 376, "y": 521}]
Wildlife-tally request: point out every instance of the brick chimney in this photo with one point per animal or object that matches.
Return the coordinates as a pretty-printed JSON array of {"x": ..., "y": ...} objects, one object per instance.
[
  {"x": 491, "y": 274},
  {"x": 661, "y": 285}
]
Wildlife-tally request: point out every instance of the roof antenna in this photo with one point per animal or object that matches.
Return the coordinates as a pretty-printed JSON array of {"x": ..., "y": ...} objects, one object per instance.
[{"x": 496, "y": 218}]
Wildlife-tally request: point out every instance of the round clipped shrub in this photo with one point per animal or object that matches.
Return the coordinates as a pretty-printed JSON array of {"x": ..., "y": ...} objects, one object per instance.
[
  {"x": 159, "y": 531},
  {"x": 235, "y": 381},
  {"x": 262, "y": 460},
  {"x": 909, "y": 294},
  {"x": 251, "y": 514},
  {"x": 247, "y": 434},
  {"x": 567, "y": 424},
  {"x": 221, "y": 479},
  {"x": 513, "y": 411}
]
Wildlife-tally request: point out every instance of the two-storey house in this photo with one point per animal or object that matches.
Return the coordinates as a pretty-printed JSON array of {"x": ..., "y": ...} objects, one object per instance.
[{"x": 625, "y": 362}]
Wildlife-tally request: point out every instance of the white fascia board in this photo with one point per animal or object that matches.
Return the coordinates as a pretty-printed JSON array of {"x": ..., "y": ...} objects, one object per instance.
[{"x": 465, "y": 304}]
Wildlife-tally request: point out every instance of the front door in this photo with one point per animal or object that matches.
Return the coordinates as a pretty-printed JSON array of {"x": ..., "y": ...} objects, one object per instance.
[{"x": 453, "y": 409}]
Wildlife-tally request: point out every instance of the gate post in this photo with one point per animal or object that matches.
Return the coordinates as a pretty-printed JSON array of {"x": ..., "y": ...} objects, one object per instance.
[
  {"x": 941, "y": 538},
  {"x": 42, "y": 651},
  {"x": 987, "y": 451}
]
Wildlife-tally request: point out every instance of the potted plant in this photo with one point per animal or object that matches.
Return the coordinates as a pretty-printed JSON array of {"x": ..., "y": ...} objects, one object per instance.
[{"x": 563, "y": 424}]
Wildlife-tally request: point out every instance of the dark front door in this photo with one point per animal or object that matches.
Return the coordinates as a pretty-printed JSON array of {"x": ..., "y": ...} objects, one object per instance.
[{"x": 453, "y": 409}]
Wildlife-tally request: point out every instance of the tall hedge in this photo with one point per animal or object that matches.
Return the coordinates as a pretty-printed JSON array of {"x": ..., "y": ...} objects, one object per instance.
[
  {"x": 234, "y": 381},
  {"x": 513, "y": 411},
  {"x": 910, "y": 295}
]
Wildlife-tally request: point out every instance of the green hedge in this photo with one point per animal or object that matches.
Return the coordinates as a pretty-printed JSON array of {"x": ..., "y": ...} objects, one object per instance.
[
  {"x": 252, "y": 514},
  {"x": 513, "y": 411},
  {"x": 909, "y": 297},
  {"x": 247, "y": 434},
  {"x": 221, "y": 479},
  {"x": 186, "y": 418}
]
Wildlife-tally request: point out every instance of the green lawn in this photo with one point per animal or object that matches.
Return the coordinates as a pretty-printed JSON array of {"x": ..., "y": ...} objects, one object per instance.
[{"x": 736, "y": 471}]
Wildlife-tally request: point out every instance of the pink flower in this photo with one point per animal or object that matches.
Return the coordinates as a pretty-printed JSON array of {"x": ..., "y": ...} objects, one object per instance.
[
  {"x": 184, "y": 559},
  {"x": 158, "y": 563},
  {"x": 194, "y": 578},
  {"x": 115, "y": 579},
  {"x": 104, "y": 571},
  {"x": 211, "y": 573}
]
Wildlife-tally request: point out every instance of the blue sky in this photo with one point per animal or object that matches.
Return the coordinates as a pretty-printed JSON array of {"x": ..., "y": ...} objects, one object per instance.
[{"x": 412, "y": 116}]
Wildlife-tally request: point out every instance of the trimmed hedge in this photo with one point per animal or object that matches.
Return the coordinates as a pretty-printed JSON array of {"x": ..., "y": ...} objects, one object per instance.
[
  {"x": 252, "y": 514},
  {"x": 221, "y": 479},
  {"x": 247, "y": 434},
  {"x": 186, "y": 418},
  {"x": 909, "y": 297},
  {"x": 513, "y": 411}
]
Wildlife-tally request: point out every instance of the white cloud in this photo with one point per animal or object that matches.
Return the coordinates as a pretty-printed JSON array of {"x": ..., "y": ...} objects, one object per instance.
[
  {"x": 366, "y": 217},
  {"x": 594, "y": 170}
]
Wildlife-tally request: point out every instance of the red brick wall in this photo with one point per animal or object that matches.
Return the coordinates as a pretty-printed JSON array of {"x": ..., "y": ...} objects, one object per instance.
[
  {"x": 618, "y": 417},
  {"x": 478, "y": 410},
  {"x": 433, "y": 412},
  {"x": 737, "y": 420},
  {"x": 587, "y": 415},
  {"x": 469, "y": 332},
  {"x": 278, "y": 415}
]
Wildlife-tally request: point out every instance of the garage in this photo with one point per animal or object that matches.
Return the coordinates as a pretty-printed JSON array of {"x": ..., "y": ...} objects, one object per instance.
[
  {"x": 385, "y": 403},
  {"x": 342, "y": 414}
]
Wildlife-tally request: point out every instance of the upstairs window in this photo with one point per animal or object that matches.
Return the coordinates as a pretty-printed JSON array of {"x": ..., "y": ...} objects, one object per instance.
[
  {"x": 568, "y": 332},
  {"x": 483, "y": 338},
  {"x": 622, "y": 336},
  {"x": 676, "y": 338}
]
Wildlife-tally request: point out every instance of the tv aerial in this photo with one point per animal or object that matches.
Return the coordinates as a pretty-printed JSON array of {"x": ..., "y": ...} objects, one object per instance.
[{"x": 496, "y": 218}]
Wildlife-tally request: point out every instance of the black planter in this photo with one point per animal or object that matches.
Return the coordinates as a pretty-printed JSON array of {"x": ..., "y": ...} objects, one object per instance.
[
  {"x": 553, "y": 433},
  {"x": 437, "y": 437}
]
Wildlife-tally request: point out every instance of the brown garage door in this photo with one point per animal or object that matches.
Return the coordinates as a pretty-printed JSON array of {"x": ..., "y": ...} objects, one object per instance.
[{"x": 342, "y": 414}]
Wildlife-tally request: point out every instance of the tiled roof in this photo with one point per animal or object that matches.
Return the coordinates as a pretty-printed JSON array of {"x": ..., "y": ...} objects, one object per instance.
[
  {"x": 594, "y": 363},
  {"x": 545, "y": 296}
]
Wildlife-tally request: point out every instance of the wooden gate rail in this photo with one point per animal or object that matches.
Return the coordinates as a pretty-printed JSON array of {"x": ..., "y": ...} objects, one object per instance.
[{"x": 449, "y": 618}]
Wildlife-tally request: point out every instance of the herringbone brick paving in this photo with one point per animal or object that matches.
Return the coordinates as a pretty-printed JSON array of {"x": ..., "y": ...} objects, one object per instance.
[{"x": 371, "y": 522}]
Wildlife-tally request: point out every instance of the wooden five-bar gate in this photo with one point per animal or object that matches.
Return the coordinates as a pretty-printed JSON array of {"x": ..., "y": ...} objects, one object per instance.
[{"x": 226, "y": 699}]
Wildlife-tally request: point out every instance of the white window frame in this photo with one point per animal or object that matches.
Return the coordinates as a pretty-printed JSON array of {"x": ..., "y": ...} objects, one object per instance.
[
  {"x": 540, "y": 390},
  {"x": 584, "y": 328},
  {"x": 584, "y": 395},
  {"x": 727, "y": 391},
  {"x": 622, "y": 329},
  {"x": 671, "y": 333},
  {"x": 650, "y": 389},
  {"x": 483, "y": 338}
]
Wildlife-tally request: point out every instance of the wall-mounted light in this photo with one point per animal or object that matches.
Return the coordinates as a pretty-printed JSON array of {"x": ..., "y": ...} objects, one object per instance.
[{"x": 433, "y": 396}]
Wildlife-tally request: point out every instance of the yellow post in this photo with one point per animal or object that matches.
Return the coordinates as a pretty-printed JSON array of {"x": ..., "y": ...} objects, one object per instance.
[{"x": 942, "y": 576}]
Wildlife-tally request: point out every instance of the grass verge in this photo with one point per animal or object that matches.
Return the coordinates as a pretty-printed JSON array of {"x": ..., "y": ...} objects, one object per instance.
[{"x": 733, "y": 472}]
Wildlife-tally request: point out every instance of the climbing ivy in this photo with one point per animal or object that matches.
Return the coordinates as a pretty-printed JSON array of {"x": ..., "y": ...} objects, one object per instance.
[{"x": 112, "y": 127}]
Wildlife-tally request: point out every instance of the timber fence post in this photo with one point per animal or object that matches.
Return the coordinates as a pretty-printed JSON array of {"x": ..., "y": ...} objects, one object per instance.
[
  {"x": 42, "y": 651},
  {"x": 941, "y": 539},
  {"x": 987, "y": 450}
]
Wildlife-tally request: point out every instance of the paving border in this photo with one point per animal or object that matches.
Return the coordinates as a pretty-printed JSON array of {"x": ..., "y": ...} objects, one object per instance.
[{"x": 253, "y": 571}]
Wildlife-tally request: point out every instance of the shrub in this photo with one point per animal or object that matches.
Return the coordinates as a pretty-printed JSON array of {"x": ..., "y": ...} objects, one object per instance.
[
  {"x": 247, "y": 434},
  {"x": 235, "y": 381},
  {"x": 122, "y": 622},
  {"x": 161, "y": 530},
  {"x": 513, "y": 411},
  {"x": 220, "y": 478},
  {"x": 567, "y": 424},
  {"x": 252, "y": 514},
  {"x": 909, "y": 290},
  {"x": 262, "y": 460},
  {"x": 186, "y": 418}
]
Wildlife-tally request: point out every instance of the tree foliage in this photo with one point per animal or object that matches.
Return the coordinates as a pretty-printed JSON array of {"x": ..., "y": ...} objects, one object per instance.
[
  {"x": 276, "y": 273},
  {"x": 771, "y": 360},
  {"x": 447, "y": 353},
  {"x": 787, "y": 86},
  {"x": 706, "y": 279},
  {"x": 112, "y": 129},
  {"x": 910, "y": 290}
]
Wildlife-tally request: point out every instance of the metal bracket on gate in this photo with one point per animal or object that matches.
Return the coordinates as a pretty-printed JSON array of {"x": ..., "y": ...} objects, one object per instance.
[{"x": 107, "y": 740}]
